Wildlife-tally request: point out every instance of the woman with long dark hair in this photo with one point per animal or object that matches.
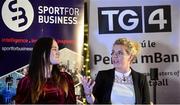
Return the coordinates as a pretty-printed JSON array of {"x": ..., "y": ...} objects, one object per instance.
[{"x": 44, "y": 82}]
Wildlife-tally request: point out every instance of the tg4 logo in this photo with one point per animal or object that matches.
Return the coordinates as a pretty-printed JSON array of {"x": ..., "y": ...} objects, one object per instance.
[{"x": 131, "y": 19}]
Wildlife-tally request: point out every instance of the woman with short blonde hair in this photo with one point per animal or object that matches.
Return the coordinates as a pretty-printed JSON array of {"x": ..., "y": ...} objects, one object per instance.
[{"x": 121, "y": 84}]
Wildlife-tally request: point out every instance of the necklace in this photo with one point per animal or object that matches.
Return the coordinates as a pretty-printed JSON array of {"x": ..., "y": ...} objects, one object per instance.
[{"x": 123, "y": 80}]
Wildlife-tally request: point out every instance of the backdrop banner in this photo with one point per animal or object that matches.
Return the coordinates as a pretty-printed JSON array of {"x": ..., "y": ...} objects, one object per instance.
[
  {"x": 22, "y": 22},
  {"x": 154, "y": 24}
]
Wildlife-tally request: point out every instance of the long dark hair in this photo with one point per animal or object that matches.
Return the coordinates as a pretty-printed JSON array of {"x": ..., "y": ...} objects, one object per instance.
[
  {"x": 59, "y": 80},
  {"x": 39, "y": 64},
  {"x": 40, "y": 60}
]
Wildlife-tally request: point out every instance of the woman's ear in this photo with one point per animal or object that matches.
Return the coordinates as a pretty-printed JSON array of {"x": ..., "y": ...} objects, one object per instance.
[{"x": 131, "y": 57}]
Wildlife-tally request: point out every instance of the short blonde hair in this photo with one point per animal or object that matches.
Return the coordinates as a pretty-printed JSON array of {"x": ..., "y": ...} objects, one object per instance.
[{"x": 132, "y": 47}]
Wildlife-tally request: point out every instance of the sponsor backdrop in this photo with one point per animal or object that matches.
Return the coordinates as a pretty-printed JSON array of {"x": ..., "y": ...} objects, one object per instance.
[
  {"x": 22, "y": 22},
  {"x": 154, "y": 24}
]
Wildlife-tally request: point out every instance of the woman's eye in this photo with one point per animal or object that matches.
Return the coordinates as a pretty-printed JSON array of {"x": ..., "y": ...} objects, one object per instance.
[
  {"x": 112, "y": 53},
  {"x": 120, "y": 53},
  {"x": 54, "y": 49}
]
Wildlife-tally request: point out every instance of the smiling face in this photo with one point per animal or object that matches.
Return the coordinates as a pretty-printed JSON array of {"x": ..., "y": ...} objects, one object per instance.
[
  {"x": 120, "y": 58},
  {"x": 54, "y": 54}
]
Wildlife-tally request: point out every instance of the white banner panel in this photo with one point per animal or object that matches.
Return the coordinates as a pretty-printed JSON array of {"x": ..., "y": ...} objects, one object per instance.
[{"x": 155, "y": 24}]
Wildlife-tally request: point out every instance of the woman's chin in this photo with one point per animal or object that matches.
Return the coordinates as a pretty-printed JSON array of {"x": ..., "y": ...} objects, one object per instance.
[
  {"x": 55, "y": 62},
  {"x": 117, "y": 65}
]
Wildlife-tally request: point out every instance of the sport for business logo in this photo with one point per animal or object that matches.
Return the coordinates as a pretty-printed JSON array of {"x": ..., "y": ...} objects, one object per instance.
[
  {"x": 17, "y": 15},
  {"x": 131, "y": 19}
]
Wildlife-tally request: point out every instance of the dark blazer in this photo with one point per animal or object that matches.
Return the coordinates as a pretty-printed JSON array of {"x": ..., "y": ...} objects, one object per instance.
[{"x": 104, "y": 82}]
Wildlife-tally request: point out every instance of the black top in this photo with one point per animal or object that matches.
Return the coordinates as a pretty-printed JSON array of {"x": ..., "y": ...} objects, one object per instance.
[{"x": 104, "y": 82}]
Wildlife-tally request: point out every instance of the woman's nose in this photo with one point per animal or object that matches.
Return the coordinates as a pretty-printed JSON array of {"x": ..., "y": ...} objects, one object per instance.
[{"x": 57, "y": 53}]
